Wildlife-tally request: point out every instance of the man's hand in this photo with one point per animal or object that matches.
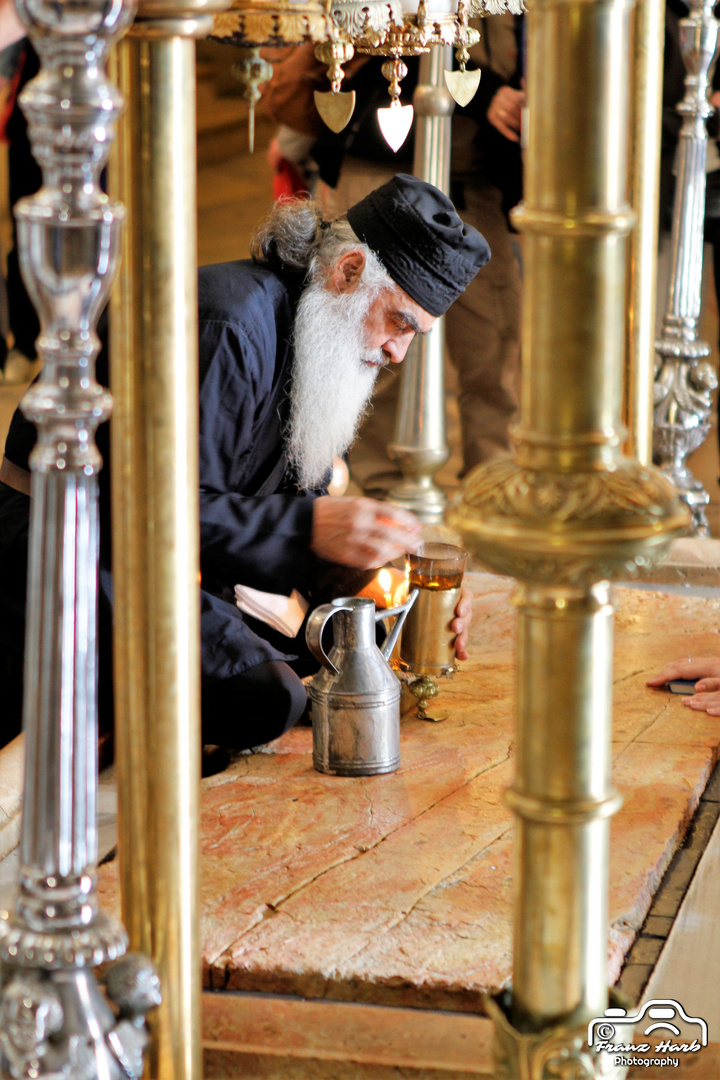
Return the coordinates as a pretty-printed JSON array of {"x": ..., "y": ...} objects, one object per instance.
[
  {"x": 706, "y": 670},
  {"x": 505, "y": 112},
  {"x": 461, "y": 623},
  {"x": 362, "y": 532}
]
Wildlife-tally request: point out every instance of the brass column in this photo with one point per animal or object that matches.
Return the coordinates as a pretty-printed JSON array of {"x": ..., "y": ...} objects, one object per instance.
[
  {"x": 155, "y": 516},
  {"x": 563, "y": 518},
  {"x": 645, "y": 130}
]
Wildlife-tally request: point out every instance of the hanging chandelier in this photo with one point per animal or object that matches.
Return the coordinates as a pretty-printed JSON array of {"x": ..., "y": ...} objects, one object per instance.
[
  {"x": 425, "y": 24},
  {"x": 390, "y": 28}
]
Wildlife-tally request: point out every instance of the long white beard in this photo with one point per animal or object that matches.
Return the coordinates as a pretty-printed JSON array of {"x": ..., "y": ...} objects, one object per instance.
[{"x": 332, "y": 380}]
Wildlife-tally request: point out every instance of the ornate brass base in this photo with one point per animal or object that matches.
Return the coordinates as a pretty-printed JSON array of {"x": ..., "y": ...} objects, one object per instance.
[
  {"x": 560, "y": 1052},
  {"x": 568, "y": 528}
]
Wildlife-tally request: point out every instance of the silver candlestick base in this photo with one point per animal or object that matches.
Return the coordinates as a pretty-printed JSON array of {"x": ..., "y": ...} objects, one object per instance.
[{"x": 57, "y": 1023}]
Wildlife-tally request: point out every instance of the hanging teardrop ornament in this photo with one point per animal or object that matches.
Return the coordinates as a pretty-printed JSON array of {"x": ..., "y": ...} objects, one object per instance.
[
  {"x": 250, "y": 71},
  {"x": 396, "y": 120},
  {"x": 334, "y": 106},
  {"x": 463, "y": 84}
]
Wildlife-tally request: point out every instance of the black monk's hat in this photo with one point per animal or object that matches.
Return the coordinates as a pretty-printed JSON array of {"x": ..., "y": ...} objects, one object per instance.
[{"x": 421, "y": 241}]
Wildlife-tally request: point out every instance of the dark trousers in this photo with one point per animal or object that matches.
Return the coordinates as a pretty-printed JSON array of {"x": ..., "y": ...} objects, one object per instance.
[
  {"x": 253, "y": 708},
  {"x": 238, "y": 714}
]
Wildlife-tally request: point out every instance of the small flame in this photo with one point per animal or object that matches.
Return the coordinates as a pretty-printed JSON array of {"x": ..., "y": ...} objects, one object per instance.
[
  {"x": 401, "y": 593},
  {"x": 385, "y": 583}
]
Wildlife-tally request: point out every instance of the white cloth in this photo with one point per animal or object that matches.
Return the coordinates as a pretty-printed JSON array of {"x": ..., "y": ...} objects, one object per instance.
[{"x": 284, "y": 613}]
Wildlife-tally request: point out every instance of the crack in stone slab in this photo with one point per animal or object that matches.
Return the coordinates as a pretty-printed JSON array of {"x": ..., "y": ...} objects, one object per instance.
[
  {"x": 631, "y": 675},
  {"x": 403, "y": 916},
  {"x": 240, "y": 827},
  {"x": 650, "y": 723},
  {"x": 636, "y": 736},
  {"x": 351, "y": 856},
  {"x": 368, "y": 797}
]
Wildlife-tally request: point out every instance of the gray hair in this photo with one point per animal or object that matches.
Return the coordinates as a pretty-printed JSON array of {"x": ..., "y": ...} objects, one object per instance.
[{"x": 297, "y": 238}]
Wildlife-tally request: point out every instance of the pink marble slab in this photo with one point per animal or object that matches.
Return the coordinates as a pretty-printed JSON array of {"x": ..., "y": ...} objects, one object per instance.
[{"x": 397, "y": 889}]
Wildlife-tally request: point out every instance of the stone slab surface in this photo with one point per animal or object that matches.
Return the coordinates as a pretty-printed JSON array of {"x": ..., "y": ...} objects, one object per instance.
[{"x": 397, "y": 889}]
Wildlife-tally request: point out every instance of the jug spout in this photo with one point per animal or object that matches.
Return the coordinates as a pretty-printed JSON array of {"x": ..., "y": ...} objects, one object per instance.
[{"x": 401, "y": 613}]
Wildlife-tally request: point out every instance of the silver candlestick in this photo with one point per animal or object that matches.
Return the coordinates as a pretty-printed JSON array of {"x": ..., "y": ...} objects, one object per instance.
[
  {"x": 419, "y": 444},
  {"x": 684, "y": 380},
  {"x": 54, "y": 1020}
]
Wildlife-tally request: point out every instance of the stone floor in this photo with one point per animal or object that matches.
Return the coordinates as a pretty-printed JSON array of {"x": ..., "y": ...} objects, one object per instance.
[{"x": 396, "y": 890}]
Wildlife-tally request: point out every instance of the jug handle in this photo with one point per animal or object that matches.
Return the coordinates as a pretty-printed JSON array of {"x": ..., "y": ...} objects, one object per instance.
[
  {"x": 314, "y": 631},
  {"x": 401, "y": 612}
]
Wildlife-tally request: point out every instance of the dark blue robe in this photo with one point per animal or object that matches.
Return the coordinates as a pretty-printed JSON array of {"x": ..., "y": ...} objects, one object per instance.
[{"x": 255, "y": 525}]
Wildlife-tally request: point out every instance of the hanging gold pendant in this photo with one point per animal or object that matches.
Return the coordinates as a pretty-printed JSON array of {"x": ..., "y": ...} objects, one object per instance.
[
  {"x": 335, "y": 109},
  {"x": 462, "y": 85}
]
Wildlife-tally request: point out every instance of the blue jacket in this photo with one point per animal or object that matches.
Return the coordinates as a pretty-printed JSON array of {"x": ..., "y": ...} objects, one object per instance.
[{"x": 255, "y": 525}]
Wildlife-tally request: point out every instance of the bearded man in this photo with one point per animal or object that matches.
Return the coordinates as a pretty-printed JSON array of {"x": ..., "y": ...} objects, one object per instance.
[{"x": 290, "y": 346}]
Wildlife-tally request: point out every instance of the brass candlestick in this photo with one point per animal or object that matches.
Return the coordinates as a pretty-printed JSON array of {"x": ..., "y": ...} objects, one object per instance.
[
  {"x": 567, "y": 515},
  {"x": 154, "y": 376}
]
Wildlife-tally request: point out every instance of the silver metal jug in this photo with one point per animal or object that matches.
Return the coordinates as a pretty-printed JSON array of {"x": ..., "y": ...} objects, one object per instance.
[{"x": 355, "y": 696}]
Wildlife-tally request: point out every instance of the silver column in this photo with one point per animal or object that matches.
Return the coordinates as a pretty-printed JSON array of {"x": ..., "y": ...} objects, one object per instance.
[
  {"x": 419, "y": 443},
  {"x": 53, "y": 1018},
  {"x": 684, "y": 379}
]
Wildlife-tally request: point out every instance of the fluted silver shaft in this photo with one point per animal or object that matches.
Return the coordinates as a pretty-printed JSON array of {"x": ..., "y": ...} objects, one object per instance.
[{"x": 68, "y": 239}]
